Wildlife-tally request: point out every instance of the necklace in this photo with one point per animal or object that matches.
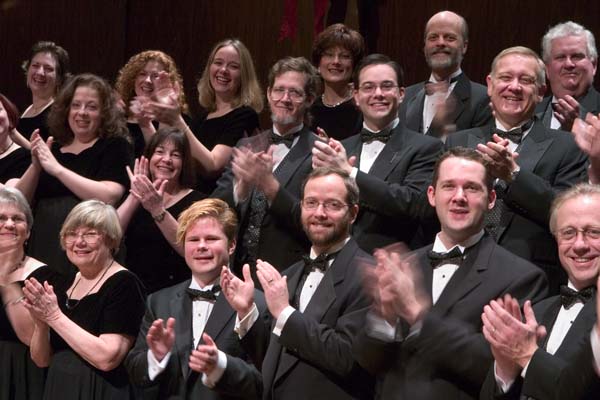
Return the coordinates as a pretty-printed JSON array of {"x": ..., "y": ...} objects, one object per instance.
[
  {"x": 36, "y": 110},
  {"x": 345, "y": 99},
  {"x": 7, "y": 147},
  {"x": 71, "y": 307}
]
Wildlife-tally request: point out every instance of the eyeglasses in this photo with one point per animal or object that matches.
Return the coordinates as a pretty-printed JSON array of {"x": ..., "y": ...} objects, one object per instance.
[
  {"x": 330, "y": 55},
  {"x": 295, "y": 95},
  {"x": 16, "y": 219},
  {"x": 329, "y": 205},
  {"x": 370, "y": 87},
  {"x": 90, "y": 237},
  {"x": 569, "y": 234}
]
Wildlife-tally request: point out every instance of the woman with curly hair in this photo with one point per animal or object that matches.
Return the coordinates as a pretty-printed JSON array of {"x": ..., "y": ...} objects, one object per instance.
[
  {"x": 85, "y": 158},
  {"x": 136, "y": 85}
]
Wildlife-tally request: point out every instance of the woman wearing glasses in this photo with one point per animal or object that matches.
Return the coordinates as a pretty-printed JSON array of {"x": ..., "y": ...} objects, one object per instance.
[{"x": 85, "y": 325}]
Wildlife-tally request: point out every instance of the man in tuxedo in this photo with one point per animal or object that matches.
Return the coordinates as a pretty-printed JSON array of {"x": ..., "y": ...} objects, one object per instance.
[
  {"x": 424, "y": 339},
  {"x": 449, "y": 101},
  {"x": 195, "y": 315},
  {"x": 531, "y": 354},
  {"x": 530, "y": 162},
  {"x": 278, "y": 158},
  {"x": 392, "y": 165},
  {"x": 316, "y": 305},
  {"x": 570, "y": 55}
]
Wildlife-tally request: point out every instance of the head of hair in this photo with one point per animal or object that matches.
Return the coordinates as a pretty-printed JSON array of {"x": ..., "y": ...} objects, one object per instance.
[
  {"x": 112, "y": 121},
  {"x": 94, "y": 214},
  {"x": 15, "y": 198},
  {"x": 11, "y": 111},
  {"x": 378, "y": 59},
  {"x": 301, "y": 65},
  {"x": 207, "y": 208},
  {"x": 466, "y": 154},
  {"x": 61, "y": 59},
  {"x": 579, "y": 190},
  {"x": 464, "y": 27},
  {"x": 352, "y": 192},
  {"x": 540, "y": 69},
  {"x": 338, "y": 35},
  {"x": 125, "y": 84},
  {"x": 249, "y": 93},
  {"x": 565, "y": 29},
  {"x": 187, "y": 177}
]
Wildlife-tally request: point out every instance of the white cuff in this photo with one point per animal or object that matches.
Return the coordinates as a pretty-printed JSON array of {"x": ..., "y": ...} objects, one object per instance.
[
  {"x": 354, "y": 172},
  {"x": 210, "y": 380},
  {"x": 283, "y": 317},
  {"x": 378, "y": 328},
  {"x": 155, "y": 367},
  {"x": 524, "y": 371},
  {"x": 504, "y": 386},
  {"x": 243, "y": 326}
]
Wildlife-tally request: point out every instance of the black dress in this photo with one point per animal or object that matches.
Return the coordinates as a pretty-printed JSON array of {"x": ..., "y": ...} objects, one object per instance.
[
  {"x": 118, "y": 307},
  {"x": 149, "y": 255},
  {"x": 139, "y": 143},
  {"x": 20, "y": 378},
  {"x": 26, "y": 126},
  {"x": 14, "y": 164},
  {"x": 339, "y": 122},
  {"x": 104, "y": 161},
  {"x": 227, "y": 130}
]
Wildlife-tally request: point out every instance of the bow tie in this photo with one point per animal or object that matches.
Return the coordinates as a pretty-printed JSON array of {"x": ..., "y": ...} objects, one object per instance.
[
  {"x": 210, "y": 294},
  {"x": 366, "y": 136},
  {"x": 568, "y": 296},
  {"x": 436, "y": 259},
  {"x": 439, "y": 87},
  {"x": 285, "y": 139},
  {"x": 515, "y": 135},
  {"x": 319, "y": 263}
]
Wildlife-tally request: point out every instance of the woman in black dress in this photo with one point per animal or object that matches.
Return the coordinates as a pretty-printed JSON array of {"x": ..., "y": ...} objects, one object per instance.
[
  {"x": 85, "y": 160},
  {"x": 85, "y": 325},
  {"x": 20, "y": 378},
  {"x": 335, "y": 53},
  {"x": 231, "y": 99},
  {"x": 14, "y": 159},
  {"x": 162, "y": 184},
  {"x": 47, "y": 69}
]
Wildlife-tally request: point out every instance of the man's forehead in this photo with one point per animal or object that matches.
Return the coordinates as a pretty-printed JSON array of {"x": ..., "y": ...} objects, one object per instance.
[
  {"x": 377, "y": 73},
  {"x": 290, "y": 78}
]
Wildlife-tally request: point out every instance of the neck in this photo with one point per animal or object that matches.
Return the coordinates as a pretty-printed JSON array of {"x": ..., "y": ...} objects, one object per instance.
[
  {"x": 93, "y": 271},
  {"x": 444, "y": 74},
  {"x": 5, "y": 143},
  {"x": 376, "y": 126},
  {"x": 509, "y": 124},
  {"x": 11, "y": 262},
  {"x": 203, "y": 280},
  {"x": 284, "y": 129},
  {"x": 327, "y": 248},
  {"x": 172, "y": 187},
  {"x": 336, "y": 92},
  {"x": 451, "y": 240},
  {"x": 560, "y": 93},
  {"x": 39, "y": 100},
  {"x": 223, "y": 102}
]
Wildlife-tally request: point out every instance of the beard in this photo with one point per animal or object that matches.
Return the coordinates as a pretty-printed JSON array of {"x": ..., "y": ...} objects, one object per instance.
[
  {"x": 453, "y": 58},
  {"x": 327, "y": 238}
]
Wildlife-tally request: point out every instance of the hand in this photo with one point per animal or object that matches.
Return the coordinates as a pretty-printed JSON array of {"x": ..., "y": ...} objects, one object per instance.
[
  {"x": 250, "y": 168},
  {"x": 275, "y": 287},
  {"x": 136, "y": 109},
  {"x": 502, "y": 160},
  {"x": 239, "y": 294},
  {"x": 160, "y": 338},
  {"x": 566, "y": 111},
  {"x": 204, "y": 358},
  {"x": 42, "y": 153},
  {"x": 41, "y": 301},
  {"x": 331, "y": 154},
  {"x": 587, "y": 136}
]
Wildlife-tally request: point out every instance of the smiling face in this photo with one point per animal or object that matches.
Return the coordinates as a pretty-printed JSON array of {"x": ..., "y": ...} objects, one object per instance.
[
  {"x": 225, "y": 72},
  {"x": 13, "y": 227},
  {"x": 166, "y": 162},
  {"x": 144, "y": 81},
  {"x": 207, "y": 249},
  {"x": 335, "y": 65},
  {"x": 444, "y": 43},
  {"x": 570, "y": 69},
  {"x": 286, "y": 111},
  {"x": 41, "y": 74},
  {"x": 460, "y": 198},
  {"x": 84, "y": 113},
  {"x": 86, "y": 247}
]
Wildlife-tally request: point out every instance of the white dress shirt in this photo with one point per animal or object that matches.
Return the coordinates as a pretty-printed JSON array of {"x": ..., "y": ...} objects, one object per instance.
[
  {"x": 370, "y": 151},
  {"x": 512, "y": 146},
  {"x": 432, "y": 101}
]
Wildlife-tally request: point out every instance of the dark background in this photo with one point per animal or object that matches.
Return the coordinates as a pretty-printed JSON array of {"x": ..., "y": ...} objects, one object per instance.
[{"x": 101, "y": 35}]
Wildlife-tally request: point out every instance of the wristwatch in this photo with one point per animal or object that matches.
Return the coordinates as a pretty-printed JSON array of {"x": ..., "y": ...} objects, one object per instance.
[{"x": 160, "y": 216}]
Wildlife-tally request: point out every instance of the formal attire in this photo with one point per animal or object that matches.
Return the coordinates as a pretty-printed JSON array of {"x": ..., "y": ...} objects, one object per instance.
[
  {"x": 549, "y": 162},
  {"x": 14, "y": 164},
  {"x": 470, "y": 107},
  {"x": 339, "y": 122},
  {"x": 446, "y": 356},
  {"x": 26, "y": 125},
  {"x": 310, "y": 356},
  {"x": 590, "y": 102},
  {"x": 176, "y": 379}
]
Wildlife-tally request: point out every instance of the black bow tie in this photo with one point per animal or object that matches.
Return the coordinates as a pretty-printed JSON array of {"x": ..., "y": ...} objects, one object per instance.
[
  {"x": 285, "y": 139},
  {"x": 210, "y": 294},
  {"x": 514, "y": 135},
  {"x": 320, "y": 263},
  {"x": 366, "y": 136},
  {"x": 436, "y": 259},
  {"x": 569, "y": 296}
]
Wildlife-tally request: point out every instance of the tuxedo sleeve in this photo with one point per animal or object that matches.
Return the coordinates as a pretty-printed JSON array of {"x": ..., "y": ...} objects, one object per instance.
[
  {"x": 482, "y": 113},
  {"x": 491, "y": 391},
  {"x": 240, "y": 380}
]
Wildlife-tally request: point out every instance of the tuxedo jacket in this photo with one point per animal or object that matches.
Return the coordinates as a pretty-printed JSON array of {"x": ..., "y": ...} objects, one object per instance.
[
  {"x": 177, "y": 380},
  {"x": 550, "y": 162},
  {"x": 590, "y": 102},
  {"x": 448, "y": 357},
  {"x": 472, "y": 106},
  {"x": 312, "y": 358},
  {"x": 543, "y": 378},
  {"x": 281, "y": 242}
]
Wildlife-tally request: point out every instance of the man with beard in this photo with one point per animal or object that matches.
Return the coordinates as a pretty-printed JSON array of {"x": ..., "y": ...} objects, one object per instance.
[
  {"x": 570, "y": 55},
  {"x": 278, "y": 158},
  {"x": 316, "y": 305},
  {"x": 449, "y": 101}
]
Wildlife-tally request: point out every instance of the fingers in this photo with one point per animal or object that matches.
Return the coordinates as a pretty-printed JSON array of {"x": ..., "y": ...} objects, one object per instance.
[
  {"x": 246, "y": 273},
  {"x": 208, "y": 340}
]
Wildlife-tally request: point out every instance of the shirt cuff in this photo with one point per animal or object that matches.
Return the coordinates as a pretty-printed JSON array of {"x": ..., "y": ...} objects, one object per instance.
[
  {"x": 155, "y": 367},
  {"x": 504, "y": 386},
  {"x": 243, "y": 326},
  {"x": 378, "y": 328},
  {"x": 595, "y": 340},
  {"x": 353, "y": 173},
  {"x": 283, "y": 317},
  {"x": 524, "y": 372},
  {"x": 210, "y": 380}
]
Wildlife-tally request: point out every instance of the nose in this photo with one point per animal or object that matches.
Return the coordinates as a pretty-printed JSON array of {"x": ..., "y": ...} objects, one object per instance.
[
  {"x": 40, "y": 70},
  {"x": 459, "y": 195},
  {"x": 580, "y": 242},
  {"x": 569, "y": 63}
]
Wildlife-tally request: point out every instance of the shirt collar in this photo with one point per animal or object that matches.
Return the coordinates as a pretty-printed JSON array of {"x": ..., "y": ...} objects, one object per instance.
[
  {"x": 293, "y": 130},
  {"x": 391, "y": 126},
  {"x": 195, "y": 285},
  {"x": 452, "y": 75},
  {"x": 439, "y": 247},
  {"x": 333, "y": 249}
]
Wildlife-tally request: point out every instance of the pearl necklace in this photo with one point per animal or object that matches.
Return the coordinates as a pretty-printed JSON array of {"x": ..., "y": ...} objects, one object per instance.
[{"x": 345, "y": 99}]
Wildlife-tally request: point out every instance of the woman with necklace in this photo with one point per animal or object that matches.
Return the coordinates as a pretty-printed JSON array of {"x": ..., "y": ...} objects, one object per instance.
[
  {"x": 335, "y": 53},
  {"x": 85, "y": 325},
  {"x": 14, "y": 159}
]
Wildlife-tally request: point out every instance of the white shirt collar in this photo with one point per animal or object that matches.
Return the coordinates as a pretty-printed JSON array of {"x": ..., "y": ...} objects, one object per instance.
[
  {"x": 293, "y": 130},
  {"x": 333, "y": 249},
  {"x": 452, "y": 75},
  {"x": 195, "y": 285},
  {"x": 439, "y": 247},
  {"x": 392, "y": 125}
]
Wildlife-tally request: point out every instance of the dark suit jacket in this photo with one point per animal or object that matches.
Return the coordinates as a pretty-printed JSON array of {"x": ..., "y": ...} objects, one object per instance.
[
  {"x": 550, "y": 162},
  {"x": 544, "y": 370},
  {"x": 281, "y": 243},
  {"x": 448, "y": 357},
  {"x": 177, "y": 380},
  {"x": 589, "y": 103},
  {"x": 312, "y": 359},
  {"x": 472, "y": 106}
]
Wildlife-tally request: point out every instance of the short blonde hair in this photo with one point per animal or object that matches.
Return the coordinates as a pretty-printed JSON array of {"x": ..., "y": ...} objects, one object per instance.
[
  {"x": 208, "y": 208},
  {"x": 540, "y": 73},
  {"x": 97, "y": 215},
  {"x": 579, "y": 190}
]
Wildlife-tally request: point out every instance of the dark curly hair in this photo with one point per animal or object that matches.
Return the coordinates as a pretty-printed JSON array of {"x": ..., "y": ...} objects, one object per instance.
[
  {"x": 187, "y": 178},
  {"x": 342, "y": 36},
  {"x": 60, "y": 55}
]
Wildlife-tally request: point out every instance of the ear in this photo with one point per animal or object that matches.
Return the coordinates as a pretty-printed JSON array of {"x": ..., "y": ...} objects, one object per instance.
[
  {"x": 269, "y": 93},
  {"x": 356, "y": 97},
  {"x": 431, "y": 195},
  {"x": 488, "y": 80},
  {"x": 491, "y": 199},
  {"x": 231, "y": 249},
  {"x": 400, "y": 94},
  {"x": 540, "y": 93},
  {"x": 353, "y": 210}
]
